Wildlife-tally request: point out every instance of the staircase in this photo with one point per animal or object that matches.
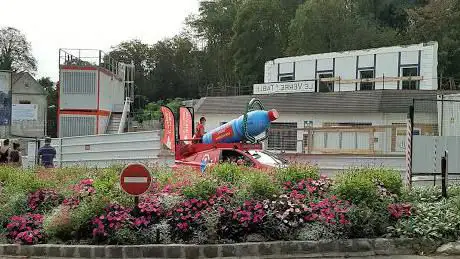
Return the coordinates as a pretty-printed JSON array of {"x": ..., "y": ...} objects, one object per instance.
[{"x": 114, "y": 123}]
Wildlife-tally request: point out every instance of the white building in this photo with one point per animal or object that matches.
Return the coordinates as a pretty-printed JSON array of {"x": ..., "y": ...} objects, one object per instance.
[
  {"x": 353, "y": 102},
  {"x": 29, "y": 106},
  {"x": 371, "y": 122},
  {"x": 412, "y": 67}
]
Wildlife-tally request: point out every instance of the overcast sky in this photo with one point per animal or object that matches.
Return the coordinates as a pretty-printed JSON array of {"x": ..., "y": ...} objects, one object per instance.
[{"x": 94, "y": 24}]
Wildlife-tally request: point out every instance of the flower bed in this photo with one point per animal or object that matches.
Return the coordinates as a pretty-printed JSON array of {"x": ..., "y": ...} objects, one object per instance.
[{"x": 228, "y": 204}]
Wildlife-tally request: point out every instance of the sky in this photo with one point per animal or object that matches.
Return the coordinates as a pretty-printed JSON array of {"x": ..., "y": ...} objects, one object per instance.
[{"x": 92, "y": 24}]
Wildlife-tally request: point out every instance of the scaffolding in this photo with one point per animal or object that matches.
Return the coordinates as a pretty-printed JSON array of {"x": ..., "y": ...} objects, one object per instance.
[{"x": 100, "y": 59}]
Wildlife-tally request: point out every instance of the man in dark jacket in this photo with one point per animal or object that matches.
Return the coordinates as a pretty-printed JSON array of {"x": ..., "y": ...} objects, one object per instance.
[{"x": 47, "y": 153}]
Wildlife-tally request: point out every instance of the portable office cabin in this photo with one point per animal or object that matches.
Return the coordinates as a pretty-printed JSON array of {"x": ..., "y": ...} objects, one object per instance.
[
  {"x": 88, "y": 94},
  {"x": 382, "y": 66}
]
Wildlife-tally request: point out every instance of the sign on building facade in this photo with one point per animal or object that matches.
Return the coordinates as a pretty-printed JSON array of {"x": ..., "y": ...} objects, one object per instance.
[
  {"x": 5, "y": 98},
  {"x": 285, "y": 87},
  {"x": 24, "y": 112}
]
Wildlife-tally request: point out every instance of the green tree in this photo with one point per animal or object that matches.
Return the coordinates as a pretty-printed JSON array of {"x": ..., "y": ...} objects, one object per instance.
[
  {"x": 139, "y": 53},
  {"x": 175, "y": 69},
  {"x": 258, "y": 38},
  {"x": 15, "y": 51},
  {"x": 439, "y": 20},
  {"x": 213, "y": 29},
  {"x": 51, "y": 92},
  {"x": 335, "y": 25}
]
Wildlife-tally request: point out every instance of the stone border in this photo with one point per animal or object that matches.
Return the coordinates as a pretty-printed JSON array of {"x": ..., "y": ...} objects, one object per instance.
[{"x": 280, "y": 249}]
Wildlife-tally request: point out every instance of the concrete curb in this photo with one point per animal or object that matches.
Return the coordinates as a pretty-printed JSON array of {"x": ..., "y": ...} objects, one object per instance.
[{"x": 291, "y": 249}]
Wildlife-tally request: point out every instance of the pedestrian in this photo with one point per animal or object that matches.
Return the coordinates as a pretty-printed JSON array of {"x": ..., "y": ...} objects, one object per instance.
[
  {"x": 199, "y": 133},
  {"x": 46, "y": 154},
  {"x": 5, "y": 152},
  {"x": 16, "y": 156}
]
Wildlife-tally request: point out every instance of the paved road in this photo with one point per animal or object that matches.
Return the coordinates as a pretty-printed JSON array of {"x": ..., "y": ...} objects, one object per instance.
[
  {"x": 331, "y": 165},
  {"x": 366, "y": 257}
]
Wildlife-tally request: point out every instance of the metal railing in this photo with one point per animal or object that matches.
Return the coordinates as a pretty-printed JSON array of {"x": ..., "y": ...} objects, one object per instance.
[{"x": 354, "y": 140}]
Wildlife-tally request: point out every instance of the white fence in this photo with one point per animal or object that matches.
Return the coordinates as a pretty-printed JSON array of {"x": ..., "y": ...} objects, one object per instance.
[
  {"x": 427, "y": 152},
  {"x": 105, "y": 150}
]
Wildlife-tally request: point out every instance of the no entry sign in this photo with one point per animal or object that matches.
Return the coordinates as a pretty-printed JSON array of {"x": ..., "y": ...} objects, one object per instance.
[{"x": 135, "y": 179}]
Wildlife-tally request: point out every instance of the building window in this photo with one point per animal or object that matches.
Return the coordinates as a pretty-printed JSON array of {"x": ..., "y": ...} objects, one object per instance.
[
  {"x": 24, "y": 102},
  {"x": 286, "y": 77},
  {"x": 283, "y": 136},
  {"x": 366, "y": 74},
  {"x": 410, "y": 84},
  {"x": 325, "y": 87}
]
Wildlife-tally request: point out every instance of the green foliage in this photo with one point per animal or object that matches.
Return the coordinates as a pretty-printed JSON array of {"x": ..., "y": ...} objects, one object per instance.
[
  {"x": 333, "y": 25},
  {"x": 368, "y": 221},
  {"x": 15, "y": 51},
  {"x": 16, "y": 180},
  {"x": 317, "y": 232},
  {"x": 16, "y": 204},
  {"x": 440, "y": 21},
  {"x": 360, "y": 185},
  {"x": 422, "y": 194},
  {"x": 227, "y": 173},
  {"x": 127, "y": 236},
  {"x": 257, "y": 38},
  {"x": 152, "y": 110},
  {"x": 434, "y": 221},
  {"x": 107, "y": 184},
  {"x": 297, "y": 172},
  {"x": 202, "y": 189},
  {"x": 257, "y": 185},
  {"x": 57, "y": 225},
  {"x": 80, "y": 218}
]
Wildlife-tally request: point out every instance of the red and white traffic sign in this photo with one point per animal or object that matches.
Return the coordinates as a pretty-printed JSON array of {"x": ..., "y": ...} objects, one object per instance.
[{"x": 135, "y": 179}]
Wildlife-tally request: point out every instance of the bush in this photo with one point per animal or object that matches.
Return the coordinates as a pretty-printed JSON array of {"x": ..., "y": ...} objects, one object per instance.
[
  {"x": 114, "y": 218},
  {"x": 363, "y": 185},
  {"x": 58, "y": 225},
  {"x": 107, "y": 184},
  {"x": 227, "y": 173},
  {"x": 81, "y": 216},
  {"x": 297, "y": 172},
  {"x": 126, "y": 236},
  {"x": 245, "y": 220},
  {"x": 257, "y": 185},
  {"x": 308, "y": 189},
  {"x": 42, "y": 201},
  {"x": 15, "y": 205},
  {"x": 201, "y": 190},
  {"x": 150, "y": 212},
  {"x": 26, "y": 229},
  {"x": 419, "y": 194},
  {"x": 21, "y": 181},
  {"x": 368, "y": 222},
  {"x": 187, "y": 219},
  {"x": 319, "y": 231},
  {"x": 435, "y": 221}
]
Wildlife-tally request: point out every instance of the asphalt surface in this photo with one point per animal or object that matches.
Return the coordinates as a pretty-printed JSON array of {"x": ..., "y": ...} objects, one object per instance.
[
  {"x": 366, "y": 257},
  {"x": 331, "y": 165}
]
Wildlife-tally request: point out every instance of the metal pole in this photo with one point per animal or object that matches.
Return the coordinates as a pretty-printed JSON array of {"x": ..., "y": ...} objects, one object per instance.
[
  {"x": 383, "y": 81},
  {"x": 444, "y": 175},
  {"x": 411, "y": 144},
  {"x": 442, "y": 115}
]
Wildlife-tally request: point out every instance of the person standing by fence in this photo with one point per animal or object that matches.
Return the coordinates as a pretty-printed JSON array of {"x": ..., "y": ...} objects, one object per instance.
[
  {"x": 15, "y": 156},
  {"x": 46, "y": 154},
  {"x": 5, "y": 152}
]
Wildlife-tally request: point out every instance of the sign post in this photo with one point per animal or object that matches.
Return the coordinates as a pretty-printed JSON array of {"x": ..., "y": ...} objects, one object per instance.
[{"x": 135, "y": 180}]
